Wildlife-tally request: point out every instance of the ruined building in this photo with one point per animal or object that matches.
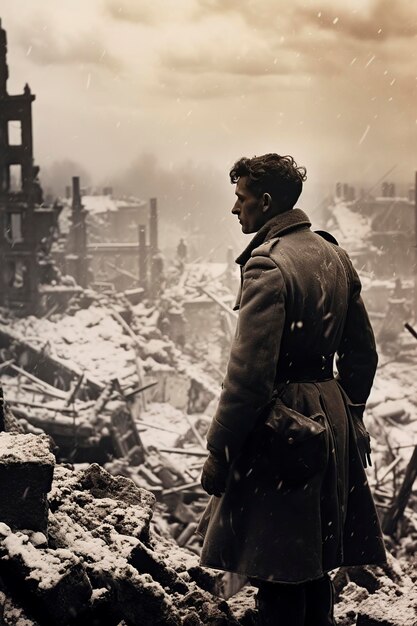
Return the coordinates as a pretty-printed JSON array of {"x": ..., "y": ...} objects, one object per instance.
[
  {"x": 109, "y": 240},
  {"x": 24, "y": 220},
  {"x": 378, "y": 230},
  {"x": 76, "y": 259}
]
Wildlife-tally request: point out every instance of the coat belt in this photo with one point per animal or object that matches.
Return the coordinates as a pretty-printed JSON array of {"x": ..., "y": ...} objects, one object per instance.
[{"x": 310, "y": 369}]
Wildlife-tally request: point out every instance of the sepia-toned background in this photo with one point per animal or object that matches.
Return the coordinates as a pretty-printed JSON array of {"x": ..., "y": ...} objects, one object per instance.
[{"x": 159, "y": 98}]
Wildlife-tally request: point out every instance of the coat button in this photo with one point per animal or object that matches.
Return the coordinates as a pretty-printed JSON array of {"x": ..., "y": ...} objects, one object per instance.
[{"x": 290, "y": 440}]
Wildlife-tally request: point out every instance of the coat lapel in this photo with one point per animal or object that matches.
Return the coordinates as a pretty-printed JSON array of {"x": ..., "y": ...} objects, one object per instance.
[{"x": 276, "y": 227}]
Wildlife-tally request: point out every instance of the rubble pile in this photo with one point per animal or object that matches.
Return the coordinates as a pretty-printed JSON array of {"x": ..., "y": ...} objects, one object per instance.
[
  {"x": 377, "y": 596},
  {"x": 114, "y": 385},
  {"x": 106, "y": 558},
  {"x": 99, "y": 342},
  {"x": 391, "y": 420},
  {"x": 56, "y": 370},
  {"x": 60, "y": 376},
  {"x": 99, "y": 562}
]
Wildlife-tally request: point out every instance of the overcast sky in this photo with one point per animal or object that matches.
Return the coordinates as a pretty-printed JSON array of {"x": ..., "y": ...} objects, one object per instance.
[{"x": 334, "y": 83}]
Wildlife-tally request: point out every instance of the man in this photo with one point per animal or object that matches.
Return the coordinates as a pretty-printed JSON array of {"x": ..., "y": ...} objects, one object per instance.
[{"x": 299, "y": 306}]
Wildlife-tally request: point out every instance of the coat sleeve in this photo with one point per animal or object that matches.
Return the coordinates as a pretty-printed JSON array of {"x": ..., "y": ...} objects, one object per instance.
[
  {"x": 251, "y": 370},
  {"x": 357, "y": 356}
]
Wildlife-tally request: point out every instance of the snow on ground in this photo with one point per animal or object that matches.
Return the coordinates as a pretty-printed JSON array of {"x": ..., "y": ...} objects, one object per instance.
[
  {"x": 350, "y": 227},
  {"x": 90, "y": 340}
]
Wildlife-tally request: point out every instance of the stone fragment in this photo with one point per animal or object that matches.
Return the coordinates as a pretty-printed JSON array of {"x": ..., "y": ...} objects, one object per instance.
[
  {"x": 26, "y": 471},
  {"x": 138, "y": 598},
  {"x": 51, "y": 583},
  {"x": 205, "y": 578},
  {"x": 143, "y": 601},
  {"x": 93, "y": 497},
  {"x": 383, "y": 610},
  {"x": 147, "y": 561},
  {"x": 367, "y": 576}
]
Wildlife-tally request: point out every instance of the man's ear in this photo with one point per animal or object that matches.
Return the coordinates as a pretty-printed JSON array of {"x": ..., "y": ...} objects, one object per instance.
[{"x": 266, "y": 202}]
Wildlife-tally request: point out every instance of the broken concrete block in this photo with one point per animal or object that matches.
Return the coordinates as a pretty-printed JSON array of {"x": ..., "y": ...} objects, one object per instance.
[
  {"x": 95, "y": 498},
  {"x": 143, "y": 601},
  {"x": 147, "y": 561},
  {"x": 14, "y": 615},
  {"x": 138, "y": 598},
  {"x": 382, "y": 610},
  {"x": 26, "y": 471},
  {"x": 51, "y": 583},
  {"x": 366, "y": 576},
  {"x": 216, "y": 612},
  {"x": 101, "y": 610},
  {"x": 205, "y": 578},
  {"x": 134, "y": 295}
]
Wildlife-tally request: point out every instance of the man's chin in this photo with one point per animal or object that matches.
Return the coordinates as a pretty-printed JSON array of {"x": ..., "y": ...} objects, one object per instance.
[{"x": 246, "y": 230}]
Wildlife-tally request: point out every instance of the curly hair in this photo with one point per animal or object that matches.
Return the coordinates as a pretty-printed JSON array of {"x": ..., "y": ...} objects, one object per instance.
[{"x": 280, "y": 176}]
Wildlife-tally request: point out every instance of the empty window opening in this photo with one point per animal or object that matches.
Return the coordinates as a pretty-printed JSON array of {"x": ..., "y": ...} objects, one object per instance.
[
  {"x": 15, "y": 133},
  {"x": 15, "y": 178},
  {"x": 15, "y": 274},
  {"x": 14, "y": 227}
]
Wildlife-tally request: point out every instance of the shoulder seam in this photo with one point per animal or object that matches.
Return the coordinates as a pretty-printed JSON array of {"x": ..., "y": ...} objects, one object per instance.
[{"x": 268, "y": 244}]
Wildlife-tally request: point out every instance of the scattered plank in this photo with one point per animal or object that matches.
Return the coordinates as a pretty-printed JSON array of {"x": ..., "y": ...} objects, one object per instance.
[
  {"x": 187, "y": 452},
  {"x": 411, "y": 330},
  {"x": 195, "y": 432},
  {"x": 149, "y": 425},
  {"x": 51, "y": 390},
  {"x": 74, "y": 391},
  {"x": 183, "y": 487},
  {"x": 396, "y": 511}
]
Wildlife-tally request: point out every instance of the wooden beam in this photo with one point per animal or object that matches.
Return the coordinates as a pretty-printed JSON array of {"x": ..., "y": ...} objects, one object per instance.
[
  {"x": 51, "y": 390},
  {"x": 187, "y": 452},
  {"x": 396, "y": 510}
]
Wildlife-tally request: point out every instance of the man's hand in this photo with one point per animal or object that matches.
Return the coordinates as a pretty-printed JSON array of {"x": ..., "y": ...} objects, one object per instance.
[
  {"x": 362, "y": 436},
  {"x": 364, "y": 447},
  {"x": 214, "y": 476}
]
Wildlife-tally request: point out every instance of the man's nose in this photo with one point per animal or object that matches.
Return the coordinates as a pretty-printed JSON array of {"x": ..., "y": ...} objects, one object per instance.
[{"x": 235, "y": 210}]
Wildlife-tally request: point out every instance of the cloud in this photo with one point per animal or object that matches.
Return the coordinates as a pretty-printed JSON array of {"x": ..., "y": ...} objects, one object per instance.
[
  {"x": 126, "y": 11},
  {"x": 44, "y": 44},
  {"x": 384, "y": 20},
  {"x": 360, "y": 19},
  {"x": 223, "y": 57},
  {"x": 148, "y": 13},
  {"x": 238, "y": 62},
  {"x": 209, "y": 85}
]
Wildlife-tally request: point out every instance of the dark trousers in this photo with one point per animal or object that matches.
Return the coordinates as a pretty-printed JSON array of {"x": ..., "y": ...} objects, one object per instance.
[{"x": 305, "y": 604}]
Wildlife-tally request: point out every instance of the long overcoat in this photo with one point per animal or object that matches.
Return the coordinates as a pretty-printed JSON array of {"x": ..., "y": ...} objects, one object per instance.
[{"x": 299, "y": 299}]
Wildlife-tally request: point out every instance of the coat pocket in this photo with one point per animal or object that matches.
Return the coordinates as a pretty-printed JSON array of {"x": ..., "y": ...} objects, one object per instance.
[{"x": 289, "y": 446}]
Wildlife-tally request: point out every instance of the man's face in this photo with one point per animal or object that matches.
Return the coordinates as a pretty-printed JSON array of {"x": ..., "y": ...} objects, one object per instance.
[{"x": 248, "y": 207}]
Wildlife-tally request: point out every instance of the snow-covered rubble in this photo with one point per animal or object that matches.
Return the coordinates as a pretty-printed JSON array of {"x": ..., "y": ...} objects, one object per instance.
[
  {"x": 109, "y": 560},
  {"x": 100, "y": 563},
  {"x": 90, "y": 340},
  {"x": 349, "y": 226},
  {"x": 109, "y": 530}
]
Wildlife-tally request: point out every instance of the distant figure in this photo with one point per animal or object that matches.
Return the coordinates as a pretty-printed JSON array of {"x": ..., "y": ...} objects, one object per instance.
[
  {"x": 287, "y": 444},
  {"x": 398, "y": 291},
  {"x": 182, "y": 251}
]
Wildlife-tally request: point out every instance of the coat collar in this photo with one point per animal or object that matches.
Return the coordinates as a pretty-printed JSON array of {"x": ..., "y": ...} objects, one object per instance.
[{"x": 276, "y": 226}]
